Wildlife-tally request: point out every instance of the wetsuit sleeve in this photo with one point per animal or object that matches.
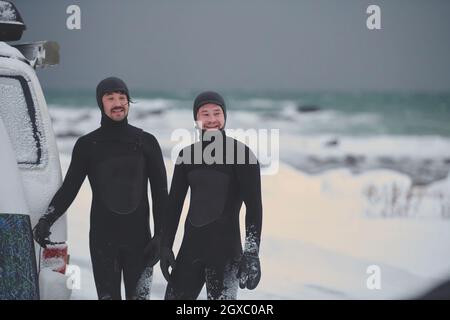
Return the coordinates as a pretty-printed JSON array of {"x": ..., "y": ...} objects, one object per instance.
[
  {"x": 158, "y": 181},
  {"x": 178, "y": 190},
  {"x": 249, "y": 178},
  {"x": 74, "y": 179}
]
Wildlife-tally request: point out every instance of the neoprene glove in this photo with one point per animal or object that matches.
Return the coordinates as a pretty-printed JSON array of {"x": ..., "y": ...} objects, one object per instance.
[
  {"x": 167, "y": 260},
  {"x": 249, "y": 272},
  {"x": 41, "y": 232}
]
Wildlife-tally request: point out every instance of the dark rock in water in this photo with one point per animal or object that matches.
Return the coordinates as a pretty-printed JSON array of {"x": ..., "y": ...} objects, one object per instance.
[
  {"x": 146, "y": 113},
  {"x": 68, "y": 134},
  {"x": 276, "y": 116},
  {"x": 332, "y": 143},
  {"x": 447, "y": 160},
  {"x": 353, "y": 160},
  {"x": 386, "y": 160},
  {"x": 83, "y": 117},
  {"x": 308, "y": 108},
  {"x": 332, "y": 160}
]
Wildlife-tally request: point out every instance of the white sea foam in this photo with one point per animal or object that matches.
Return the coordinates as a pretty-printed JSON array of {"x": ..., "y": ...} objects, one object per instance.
[{"x": 425, "y": 158}]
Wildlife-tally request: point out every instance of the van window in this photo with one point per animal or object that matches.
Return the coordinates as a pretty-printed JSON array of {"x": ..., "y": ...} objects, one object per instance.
[{"x": 18, "y": 113}]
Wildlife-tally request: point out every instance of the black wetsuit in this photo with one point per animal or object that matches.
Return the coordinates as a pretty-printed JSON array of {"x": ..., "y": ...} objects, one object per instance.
[
  {"x": 118, "y": 159},
  {"x": 211, "y": 248}
]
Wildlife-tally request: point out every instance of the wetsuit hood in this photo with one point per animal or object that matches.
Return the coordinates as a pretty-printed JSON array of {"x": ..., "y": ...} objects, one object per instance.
[
  {"x": 209, "y": 97},
  {"x": 111, "y": 84}
]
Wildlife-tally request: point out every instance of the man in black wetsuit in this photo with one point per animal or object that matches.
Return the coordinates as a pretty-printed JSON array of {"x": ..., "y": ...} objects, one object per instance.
[
  {"x": 118, "y": 159},
  {"x": 220, "y": 180}
]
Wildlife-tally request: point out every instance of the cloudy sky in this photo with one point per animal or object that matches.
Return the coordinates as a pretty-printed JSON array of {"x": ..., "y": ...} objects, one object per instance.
[{"x": 246, "y": 45}]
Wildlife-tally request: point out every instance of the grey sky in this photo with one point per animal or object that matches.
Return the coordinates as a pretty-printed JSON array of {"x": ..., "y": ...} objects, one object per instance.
[{"x": 246, "y": 45}]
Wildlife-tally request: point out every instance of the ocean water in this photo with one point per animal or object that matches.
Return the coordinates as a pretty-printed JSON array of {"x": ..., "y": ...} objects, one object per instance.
[
  {"x": 318, "y": 131},
  {"x": 356, "y": 114}
]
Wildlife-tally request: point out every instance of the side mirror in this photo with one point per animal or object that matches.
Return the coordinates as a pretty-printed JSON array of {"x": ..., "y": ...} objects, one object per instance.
[{"x": 40, "y": 54}]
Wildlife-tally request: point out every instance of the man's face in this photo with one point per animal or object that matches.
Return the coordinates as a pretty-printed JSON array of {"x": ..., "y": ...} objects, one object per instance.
[
  {"x": 210, "y": 117},
  {"x": 115, "y": 105}
]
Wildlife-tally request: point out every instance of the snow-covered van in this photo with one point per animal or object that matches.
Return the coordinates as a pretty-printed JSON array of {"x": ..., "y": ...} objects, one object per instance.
[{"x": 30, "y": 171}]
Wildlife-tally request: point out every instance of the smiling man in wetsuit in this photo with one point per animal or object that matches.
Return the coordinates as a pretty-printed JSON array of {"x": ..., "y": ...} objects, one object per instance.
[
  {"x": 211, "y": 250},
  {"x": 119, "y": 160}
]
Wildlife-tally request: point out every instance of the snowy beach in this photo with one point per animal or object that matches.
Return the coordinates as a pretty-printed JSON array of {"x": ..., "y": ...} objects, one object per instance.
[
  {"x": 317, "y": 243},
  {"x": 340, "y": 203}
]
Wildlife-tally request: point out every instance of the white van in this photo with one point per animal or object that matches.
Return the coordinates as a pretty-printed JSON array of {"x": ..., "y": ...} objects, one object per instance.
[{"x": 30, "y": 171}]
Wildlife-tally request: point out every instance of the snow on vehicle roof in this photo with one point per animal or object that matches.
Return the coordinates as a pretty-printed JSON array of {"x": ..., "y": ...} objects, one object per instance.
[
  {"x": 11, "y": 52},
  {"x": 7, "y": 12}
]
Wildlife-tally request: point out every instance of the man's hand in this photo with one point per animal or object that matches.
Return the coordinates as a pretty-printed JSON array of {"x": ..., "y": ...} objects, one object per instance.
[
  {"x": 41, "y": 232},
  {"x": 249, "y": 272},
  {"x": 167, "y": 260}
]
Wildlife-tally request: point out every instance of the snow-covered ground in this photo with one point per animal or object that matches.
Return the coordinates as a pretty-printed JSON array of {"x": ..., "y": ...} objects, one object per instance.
[{"x": 321, "y": 235}]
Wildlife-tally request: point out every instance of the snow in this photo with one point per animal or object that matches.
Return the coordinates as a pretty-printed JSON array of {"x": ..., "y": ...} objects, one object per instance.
[
  {"x": 424, "y": 158},
  {"x": 53, "y": 263},
  {"x": 8, "y": 51},
  {"x": 318, "y": 242},
  {"x": 14, "y": 113},
  {"x": 13, "y": 194},
  {"x": 7, "y": 12},
  {"x": 53, "y": 285}
]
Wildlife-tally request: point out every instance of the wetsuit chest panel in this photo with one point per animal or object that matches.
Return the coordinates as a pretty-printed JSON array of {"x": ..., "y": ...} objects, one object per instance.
[
  {"x": 119, "y": 172},
  {"x": 209, "y": 191}
]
